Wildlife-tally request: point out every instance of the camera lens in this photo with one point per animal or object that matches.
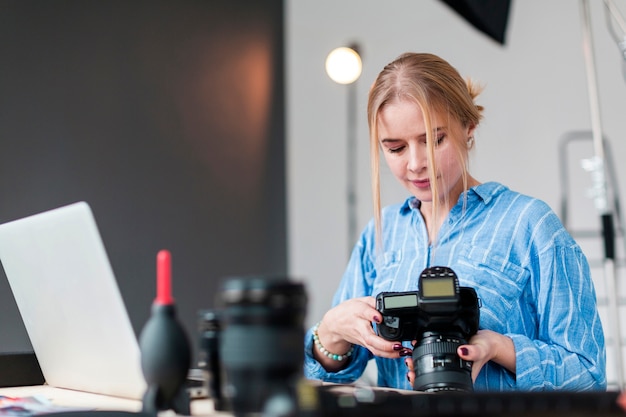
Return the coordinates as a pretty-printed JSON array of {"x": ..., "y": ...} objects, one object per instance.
[
  {"x": 209, "y": 330},
  {"x": 261, "y": 346},
  {"x": 438, "y": 367}
]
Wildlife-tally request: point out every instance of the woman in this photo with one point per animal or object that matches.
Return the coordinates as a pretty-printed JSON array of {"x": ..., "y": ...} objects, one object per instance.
[{"x": 539, "y": 325}]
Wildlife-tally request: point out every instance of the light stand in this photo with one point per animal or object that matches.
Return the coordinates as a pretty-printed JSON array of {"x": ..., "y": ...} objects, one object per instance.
[
  {"x": 595, "y": 166},
  {"x": 352, "y": 166},
  {"x": 344, "y": 66}
]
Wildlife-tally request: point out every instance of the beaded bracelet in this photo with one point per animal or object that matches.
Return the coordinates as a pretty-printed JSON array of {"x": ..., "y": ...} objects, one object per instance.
[{"x": 322, "y": 349}]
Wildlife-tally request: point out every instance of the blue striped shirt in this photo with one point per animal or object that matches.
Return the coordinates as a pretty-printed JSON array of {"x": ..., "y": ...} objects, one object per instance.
[{"x": 532, "y": 279}]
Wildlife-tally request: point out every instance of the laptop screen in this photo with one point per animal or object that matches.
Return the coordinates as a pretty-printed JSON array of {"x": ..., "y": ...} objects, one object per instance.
[{"x": 67, "y": 295}]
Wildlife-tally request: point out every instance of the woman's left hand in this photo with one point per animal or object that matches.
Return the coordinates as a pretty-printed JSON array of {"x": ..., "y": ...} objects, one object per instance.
[{"x": 484, "y": 346}]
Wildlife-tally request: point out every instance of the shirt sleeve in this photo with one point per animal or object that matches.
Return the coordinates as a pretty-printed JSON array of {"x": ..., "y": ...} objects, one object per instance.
[
  {"x": 568, "y": 352},
  {"x": 356, "y": 282},
  {"x": 314, "y": 370}
]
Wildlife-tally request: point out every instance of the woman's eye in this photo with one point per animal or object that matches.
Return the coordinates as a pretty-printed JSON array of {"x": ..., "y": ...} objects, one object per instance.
[
  {"x": 440, "y": 139},
  {"x": 395, "y": 150}
]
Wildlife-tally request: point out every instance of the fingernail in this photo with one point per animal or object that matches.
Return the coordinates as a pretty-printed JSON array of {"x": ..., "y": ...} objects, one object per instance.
[
  {"x": 397, "y": 346},
  {"x": 406, "y": 362},
  {"x": 406, "y": 352},
  {"x": 376, "y": 319},
  {"x": 464, "y": 351},
  {"x": 408, "y": 378}
]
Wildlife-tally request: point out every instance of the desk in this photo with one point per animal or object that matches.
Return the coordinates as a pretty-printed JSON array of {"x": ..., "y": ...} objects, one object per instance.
[
  {"x": 387, "y": 403},
  {"x": 85, "y": 400}
]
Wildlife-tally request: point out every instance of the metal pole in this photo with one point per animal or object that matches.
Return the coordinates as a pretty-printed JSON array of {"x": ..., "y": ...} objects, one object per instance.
[
  {"x": 351, "y": 166},
  {"x": 595, "y": 166}
]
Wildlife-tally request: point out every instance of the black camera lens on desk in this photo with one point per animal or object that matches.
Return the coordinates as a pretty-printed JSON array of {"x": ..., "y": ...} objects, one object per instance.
[
  {"x": 209, "y": 332},
  {"x": 261, "y": 341}
]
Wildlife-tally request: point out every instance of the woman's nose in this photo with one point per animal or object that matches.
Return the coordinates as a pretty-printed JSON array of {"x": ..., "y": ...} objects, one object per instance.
[{"x": 418, "y": 159}]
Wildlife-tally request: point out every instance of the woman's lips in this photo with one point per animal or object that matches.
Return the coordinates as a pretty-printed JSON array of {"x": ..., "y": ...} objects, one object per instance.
[{"x": 421, "y": 183}]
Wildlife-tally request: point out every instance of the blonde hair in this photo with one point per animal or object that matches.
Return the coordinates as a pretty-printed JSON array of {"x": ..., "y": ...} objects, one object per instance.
[{"x": 439, "y": 90}]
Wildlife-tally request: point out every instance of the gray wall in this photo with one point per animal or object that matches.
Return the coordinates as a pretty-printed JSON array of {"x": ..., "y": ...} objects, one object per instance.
[{"x": 167, "y": 118}]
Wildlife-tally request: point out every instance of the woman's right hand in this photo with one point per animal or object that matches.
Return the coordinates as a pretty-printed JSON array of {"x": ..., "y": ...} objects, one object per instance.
[{"x": 350, "y": 323}]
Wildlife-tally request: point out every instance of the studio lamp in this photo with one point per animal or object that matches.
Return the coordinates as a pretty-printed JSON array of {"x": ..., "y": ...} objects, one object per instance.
[{"x": 343, "y": 66}]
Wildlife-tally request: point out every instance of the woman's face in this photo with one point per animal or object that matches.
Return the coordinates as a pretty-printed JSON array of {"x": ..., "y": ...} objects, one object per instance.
[{"x": 402, "y": 136}]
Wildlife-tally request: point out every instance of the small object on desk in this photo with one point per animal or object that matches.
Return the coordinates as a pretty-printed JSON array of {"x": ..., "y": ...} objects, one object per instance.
[
  {"x": 209, "y": 361},
  {"x": 261, "y": 343},
  {"x": 165, "y": 349}
]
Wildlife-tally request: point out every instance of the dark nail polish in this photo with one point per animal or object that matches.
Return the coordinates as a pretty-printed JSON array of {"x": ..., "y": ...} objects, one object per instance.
[
  {"x": 406, "y": 352},
  {"x": 408, "y": 378},
  {"x": 464, "y": 351},
  {"x": 406, "y": 362},
  {"x": 376, "y": 319},
  {"x": 397, "y": 346}
]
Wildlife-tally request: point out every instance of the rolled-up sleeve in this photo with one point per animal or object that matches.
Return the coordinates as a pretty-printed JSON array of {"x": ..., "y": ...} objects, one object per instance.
[
  {"x": 356, "y": 282},
  {"x": 314, "y": 370}
]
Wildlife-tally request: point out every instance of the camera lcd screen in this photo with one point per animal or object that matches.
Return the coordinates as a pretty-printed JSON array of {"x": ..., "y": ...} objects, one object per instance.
[
  {"x": 401, "y": 301},
  {"x": 438, "y": 287}
]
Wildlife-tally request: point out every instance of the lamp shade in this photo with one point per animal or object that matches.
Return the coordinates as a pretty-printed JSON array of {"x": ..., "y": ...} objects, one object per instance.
[{"x": 343, "y": 65}]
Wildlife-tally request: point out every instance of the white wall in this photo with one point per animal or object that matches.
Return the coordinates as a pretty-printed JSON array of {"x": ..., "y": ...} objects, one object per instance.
[{"x": 536, "y": 91}]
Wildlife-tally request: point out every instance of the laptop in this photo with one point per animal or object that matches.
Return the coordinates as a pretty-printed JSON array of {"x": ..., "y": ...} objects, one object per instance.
[{"x": 67, "y": 295}]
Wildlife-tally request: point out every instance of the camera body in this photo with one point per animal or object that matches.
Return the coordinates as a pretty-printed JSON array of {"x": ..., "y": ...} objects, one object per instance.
[{"x": 440, "y": 317}]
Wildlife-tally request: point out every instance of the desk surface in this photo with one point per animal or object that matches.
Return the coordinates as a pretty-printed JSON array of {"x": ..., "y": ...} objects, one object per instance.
[
  {"x": 383, "y": 402},
  {"x": 85, "y": 400}
]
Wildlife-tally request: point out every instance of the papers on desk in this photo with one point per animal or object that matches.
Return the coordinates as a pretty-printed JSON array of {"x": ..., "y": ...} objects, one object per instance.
[{"x": 30, "y": 406}]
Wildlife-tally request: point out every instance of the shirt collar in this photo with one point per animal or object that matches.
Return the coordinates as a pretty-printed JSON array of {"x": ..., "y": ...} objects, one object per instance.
[{"x": 486, "y": 192}]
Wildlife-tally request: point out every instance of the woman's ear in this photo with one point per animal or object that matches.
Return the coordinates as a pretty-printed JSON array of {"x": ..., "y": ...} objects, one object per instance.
[{"x": 470, "y": 130}]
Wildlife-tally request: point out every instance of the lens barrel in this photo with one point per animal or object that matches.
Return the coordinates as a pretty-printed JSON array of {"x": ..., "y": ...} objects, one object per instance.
[
  {"x": 438, "y": 367},
  {"x": 209, "y": 361},
  {"x": 261, "y": 344}
]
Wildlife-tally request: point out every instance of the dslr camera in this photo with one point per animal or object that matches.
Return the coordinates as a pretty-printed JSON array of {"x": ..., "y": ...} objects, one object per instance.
[{"x": 439, "y": 317}]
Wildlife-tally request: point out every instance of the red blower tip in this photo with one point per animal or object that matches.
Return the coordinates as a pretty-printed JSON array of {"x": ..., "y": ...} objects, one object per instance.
[{"x": 164, "y": 278}]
